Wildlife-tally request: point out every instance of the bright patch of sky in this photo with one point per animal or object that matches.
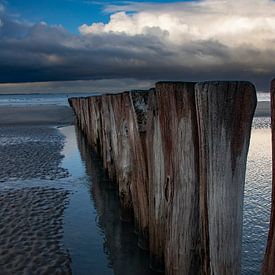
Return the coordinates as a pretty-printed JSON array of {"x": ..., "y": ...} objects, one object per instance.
[{"x": 69, "y": 13}]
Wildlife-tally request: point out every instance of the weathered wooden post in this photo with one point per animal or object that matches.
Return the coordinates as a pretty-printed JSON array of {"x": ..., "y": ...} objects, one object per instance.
[
  {"x": 268, "y": 267},
  {"x": 119, "y": 105},
  {"x": 172, "y": 145},
  {"x": 156, "y": 181},
  {"x": 224, "y": 112},
  {"x": 176, "y": 103},
  {"x": 137, "y": 123}
]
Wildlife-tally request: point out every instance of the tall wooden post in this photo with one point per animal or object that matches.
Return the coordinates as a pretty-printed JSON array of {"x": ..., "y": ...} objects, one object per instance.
[
  {"x": 224, "y": 112},
  {"x": 172, "y": 146}
]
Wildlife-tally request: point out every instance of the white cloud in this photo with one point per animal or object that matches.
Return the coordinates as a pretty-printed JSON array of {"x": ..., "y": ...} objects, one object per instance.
[{"x": 231, "y": 23}]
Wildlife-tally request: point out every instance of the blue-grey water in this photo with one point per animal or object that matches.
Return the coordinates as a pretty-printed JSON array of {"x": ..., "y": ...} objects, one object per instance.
[
  {"x": 93, "y": 233},
  {"x": 61, "y": 98},
  {"x": 38, "y": 99},
  {"x": 257, "y": 200},
  {"x": 93, "y": 237}
]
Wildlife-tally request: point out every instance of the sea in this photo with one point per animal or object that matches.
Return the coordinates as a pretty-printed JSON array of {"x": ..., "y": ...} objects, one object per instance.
[{"x": 62, "y": 98}]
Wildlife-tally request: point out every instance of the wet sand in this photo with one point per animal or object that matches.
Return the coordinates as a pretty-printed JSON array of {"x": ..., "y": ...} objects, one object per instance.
[
  {"x": 28, "y": 152},
  {"x": 31, "y": 218},
  {"x": 31, "y": 230}
]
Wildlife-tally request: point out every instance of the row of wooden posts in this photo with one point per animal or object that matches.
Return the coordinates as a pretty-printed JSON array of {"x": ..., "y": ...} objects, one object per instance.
[{"x": 178, "y": 156}]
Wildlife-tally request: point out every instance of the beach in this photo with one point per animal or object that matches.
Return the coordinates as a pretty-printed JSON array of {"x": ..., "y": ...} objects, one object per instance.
[
  {"x": 60, "y": 214},
  {"x": 32, "y": 215}
]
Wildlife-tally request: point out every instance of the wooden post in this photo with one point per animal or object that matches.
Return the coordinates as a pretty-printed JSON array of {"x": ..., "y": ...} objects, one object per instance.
[
  {"x": 181, "y": 187},
  {"x": 224, "y": 112},
  {"x": 156, "y": 181},
  {"x": 119, "y": 105},
  {"x": 172, "y": 146},
  {"x": 137, "y": 122},
  {"x": 268, "y": 267}
]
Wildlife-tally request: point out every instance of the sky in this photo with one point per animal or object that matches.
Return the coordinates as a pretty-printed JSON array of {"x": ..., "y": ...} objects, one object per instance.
[{"x": 135, "y": 42}]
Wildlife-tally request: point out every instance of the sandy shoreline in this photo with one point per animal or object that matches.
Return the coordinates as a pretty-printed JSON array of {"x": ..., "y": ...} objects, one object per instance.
[{"x": 31, "y": 224}]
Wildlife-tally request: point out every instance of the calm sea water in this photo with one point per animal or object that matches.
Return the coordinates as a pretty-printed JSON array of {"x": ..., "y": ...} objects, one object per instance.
[
  {"x": 60, "y": 99},
  {"x": 38, "y": 99},
  {"x": 257, "y": 200}
]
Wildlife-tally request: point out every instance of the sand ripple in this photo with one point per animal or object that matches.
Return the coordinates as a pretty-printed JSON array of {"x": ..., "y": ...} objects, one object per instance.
[
  {"x": 31, "y": 152},
  {"x": 31, "y": 230},
  {"x": 261, "y": 122}
]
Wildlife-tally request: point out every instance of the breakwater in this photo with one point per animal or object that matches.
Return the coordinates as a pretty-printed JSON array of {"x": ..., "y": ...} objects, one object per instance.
[{"x": 178, "y": 156}]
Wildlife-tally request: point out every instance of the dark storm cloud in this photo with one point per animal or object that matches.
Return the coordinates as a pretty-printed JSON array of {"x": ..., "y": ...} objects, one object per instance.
[{"x": 39, "y": 52}]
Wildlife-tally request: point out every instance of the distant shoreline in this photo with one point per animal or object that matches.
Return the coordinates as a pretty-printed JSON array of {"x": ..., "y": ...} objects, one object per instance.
[
  {"x": 59, "y": 115},
  {"x": 51, "y": 115}
]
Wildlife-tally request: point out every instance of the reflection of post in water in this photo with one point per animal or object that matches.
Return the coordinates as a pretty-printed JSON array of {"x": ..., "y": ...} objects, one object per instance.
[{"x": 120, "y": 241}]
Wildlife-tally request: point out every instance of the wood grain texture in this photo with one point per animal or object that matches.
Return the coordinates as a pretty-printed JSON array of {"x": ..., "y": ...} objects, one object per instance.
[
  {"x": 173, "y": 178},
  {"x": 268, "y": 267},
  {"x": 224, "y": 112},
  {"x": 137, "y": 121},
  {"x": 179, "y": 135},
  {"x": 156, "y": 180},
  {"x": 122, "y": 155}
]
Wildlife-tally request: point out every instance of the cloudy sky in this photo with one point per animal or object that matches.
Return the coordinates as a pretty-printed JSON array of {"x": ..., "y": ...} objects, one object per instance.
[{"x": 136, "y": 42}]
